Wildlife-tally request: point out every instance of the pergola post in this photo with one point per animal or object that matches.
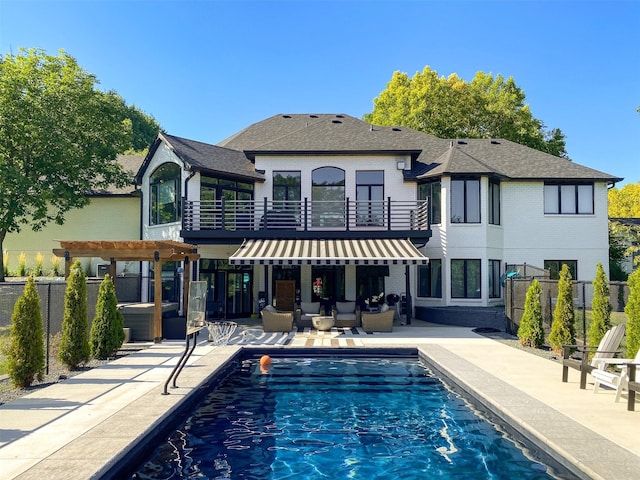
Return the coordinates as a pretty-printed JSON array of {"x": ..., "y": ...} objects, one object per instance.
[
  {"x": 157, "y": 298},
  {"x": 186, "y": 279}
]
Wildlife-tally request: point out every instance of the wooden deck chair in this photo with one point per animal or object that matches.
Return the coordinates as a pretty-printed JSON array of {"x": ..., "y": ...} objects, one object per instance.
[
  {"x": 617, "y": 379},
  {"x": 608, "y": 348}
]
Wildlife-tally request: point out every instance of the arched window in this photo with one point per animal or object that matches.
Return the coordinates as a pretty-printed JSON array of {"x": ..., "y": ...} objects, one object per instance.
[
  {"x": 327, "y": 195},
  {"x": 165, "y": 194}
]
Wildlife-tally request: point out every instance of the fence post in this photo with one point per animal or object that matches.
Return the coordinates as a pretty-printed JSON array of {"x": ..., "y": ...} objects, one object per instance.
[{"x": 48, "y": 329}]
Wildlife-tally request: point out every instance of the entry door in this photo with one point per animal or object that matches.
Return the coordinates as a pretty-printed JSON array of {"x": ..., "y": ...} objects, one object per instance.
[{"x": 239, "y": 288}]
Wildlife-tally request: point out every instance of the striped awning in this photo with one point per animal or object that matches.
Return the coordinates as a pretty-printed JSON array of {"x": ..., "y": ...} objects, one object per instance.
[{"x": 328, "y": 252}]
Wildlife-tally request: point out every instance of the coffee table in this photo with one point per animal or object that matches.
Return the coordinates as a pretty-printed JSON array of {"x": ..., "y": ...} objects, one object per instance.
[{"x": 322, "y": 322}]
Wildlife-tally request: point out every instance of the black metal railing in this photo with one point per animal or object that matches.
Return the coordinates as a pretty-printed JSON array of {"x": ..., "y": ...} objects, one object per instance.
[{"x": 305, "y": 215}]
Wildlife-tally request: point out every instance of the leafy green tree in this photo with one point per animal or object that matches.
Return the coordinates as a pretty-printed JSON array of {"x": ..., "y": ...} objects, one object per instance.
[
  {"x": 144, "y": 127},
  {"x": 563, "y": 330},
  {"x": 107, "y": 327},
  {"x": 531, "y": 329},
  {"x": 632, "y": 309},
  {"x": 486, "y": 107},
  {"x": 624, "y": 202},
  {"x": 26, "y": 356},
  {"x": 59, "y": 139},
  {"x": 74, "y": 344},
  {"x": 600, "y": 308}
]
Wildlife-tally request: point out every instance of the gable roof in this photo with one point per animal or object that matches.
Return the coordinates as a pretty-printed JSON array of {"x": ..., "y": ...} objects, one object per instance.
[
  {"x": 130, "y": 164},
  {"x": 204, "y": 157}
]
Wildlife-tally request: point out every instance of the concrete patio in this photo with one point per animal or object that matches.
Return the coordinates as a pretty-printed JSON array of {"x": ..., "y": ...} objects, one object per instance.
[{"x": 80, "y": 427}]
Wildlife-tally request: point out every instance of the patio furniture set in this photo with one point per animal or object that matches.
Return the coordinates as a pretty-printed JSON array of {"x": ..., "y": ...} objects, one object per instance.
[{"x": 342, "y": 314}]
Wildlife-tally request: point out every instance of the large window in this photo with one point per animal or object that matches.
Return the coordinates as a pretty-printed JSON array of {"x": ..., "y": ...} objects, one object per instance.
[
  {"x": 465, "y": 201},
  {"x": 431, "y": 192},
  {"x": 238, "y": 198},
  {"x": 286, "y": 189},
  {"x": 430, "y": 279},
  {"x": 554, "y": 267},
  {"x": 369, "y": 198},
  {"x": 494, "y": 278},
  {"x": 568, "y": 199},
  {"x": 465, "y": 278},
  {"x": 494, "y": 202},
  {"x": 328, "y": 197},
  {"x": 165, "y": 194}
]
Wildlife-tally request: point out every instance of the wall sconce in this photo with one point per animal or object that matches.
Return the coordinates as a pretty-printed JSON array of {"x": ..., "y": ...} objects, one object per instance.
[{"x": 400, "y": 165}]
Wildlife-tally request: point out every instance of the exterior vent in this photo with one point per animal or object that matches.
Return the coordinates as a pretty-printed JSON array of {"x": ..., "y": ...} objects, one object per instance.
[
  {"x": 336, "y": 121},
  {"x": 313, "y": 116},
  {"x": 339, "y": 116},
  {"x": 396, "y": 129},
  {"x": 461, "y": 142},
  {"x": 495, "y": 142},
  {"x": 286, "y": 116}
]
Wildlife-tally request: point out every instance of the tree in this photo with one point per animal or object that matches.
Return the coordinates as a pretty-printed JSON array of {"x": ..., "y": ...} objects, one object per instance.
[
  {"x": 625, "y": 202},
  {"x": 632, "y": 310},
  {"x": 144, "y": 128},
  {"x": 531, "y": 328},
  {"x": 486, "y": 107},
  {"x": 59, "y": 138},
  {"x": 74, "y": 344},
  {"x": 600, "y": 308},
  {"x": 563, "y": 331},
  {"x": 107, "y": 327},
  {"x": 26, "y": 356}
]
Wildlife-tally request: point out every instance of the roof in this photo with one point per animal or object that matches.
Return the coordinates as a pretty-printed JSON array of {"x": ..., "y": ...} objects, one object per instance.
[
  {"x": 339, "y": 133},
  {"x": 205, "y": 157},
  {"x": 130, "y": 164}
]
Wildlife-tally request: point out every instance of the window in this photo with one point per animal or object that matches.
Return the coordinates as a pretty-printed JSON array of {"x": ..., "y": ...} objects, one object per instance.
[
  {"x": 554, "y": 267},
  {"x": 370, "y": 198},
  {"x": 431, "y": 192},
  {"x": 494, "y": 202},
  {"x": 238, "y": 197},
  {"x": 165, "y": 194},
  {"x": 465, "y": 201},
  {"x": 430, "y": 279},
  {"x": 286, "y": 189},
  {"x": 568, "y": 199},
  {"x": 328, "y": 197},
  {"x": 465, "y": 278},
  {"x": 494, "y": 278}
]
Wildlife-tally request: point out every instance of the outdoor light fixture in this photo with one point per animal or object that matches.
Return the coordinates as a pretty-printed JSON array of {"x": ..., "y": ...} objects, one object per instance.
[{"x": 400, "y": 165}]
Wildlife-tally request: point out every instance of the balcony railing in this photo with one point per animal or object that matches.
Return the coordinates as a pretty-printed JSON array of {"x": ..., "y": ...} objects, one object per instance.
[{"x": 305, "y": 215}]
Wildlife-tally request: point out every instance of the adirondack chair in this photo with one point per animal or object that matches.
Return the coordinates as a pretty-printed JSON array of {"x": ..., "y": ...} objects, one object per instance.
[
  {"x": 618, "y": 379},
  {"x": 608, "y": 348}
]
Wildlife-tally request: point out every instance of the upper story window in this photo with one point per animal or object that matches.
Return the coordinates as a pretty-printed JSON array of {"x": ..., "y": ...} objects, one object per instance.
[
  {"x": 494, "y": 202},
  {"x": 431, "y": 192},
  {"x": 165, "y": 194},
  {"x": 369, "y": 197},
  {"x": 327, "y": 195},
  {"x": 238, "y": 197},
  {"x": 286, "y": 190},
  {"x": 568, "y": 199},
  {"x": 465, "y": 201}
]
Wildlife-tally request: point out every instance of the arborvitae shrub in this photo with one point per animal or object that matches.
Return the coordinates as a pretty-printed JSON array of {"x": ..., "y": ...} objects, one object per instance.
[
  {"x": 107, "y": 328},
  {"x": 632, "y": 309},
  {"x": 563, "y": 330},
  {"x": 531, "y": 329},
  {"x": 600, "y": 308},
  {"x": 26, "y": 356},
  {"x": 74, "y": 345}
]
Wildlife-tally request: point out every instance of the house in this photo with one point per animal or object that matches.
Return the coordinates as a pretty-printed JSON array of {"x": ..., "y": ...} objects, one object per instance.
[
  {"x": 112, "y": 214},
  {"x": 327, "y": 207}
]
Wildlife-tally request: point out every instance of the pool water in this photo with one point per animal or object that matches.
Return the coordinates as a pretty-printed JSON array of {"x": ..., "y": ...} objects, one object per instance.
[{"x": 329, "y": 418}]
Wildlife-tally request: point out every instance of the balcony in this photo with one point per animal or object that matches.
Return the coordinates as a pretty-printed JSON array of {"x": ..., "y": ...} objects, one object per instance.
[{"x": 219, "y": 221}]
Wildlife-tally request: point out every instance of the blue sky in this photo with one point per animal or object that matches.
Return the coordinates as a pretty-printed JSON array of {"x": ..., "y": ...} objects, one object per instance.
[{"x": 206, "y": 69}]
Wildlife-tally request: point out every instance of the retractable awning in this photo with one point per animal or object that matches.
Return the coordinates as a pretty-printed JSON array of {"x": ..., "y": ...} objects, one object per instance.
[{"x": 328, "y": 252}]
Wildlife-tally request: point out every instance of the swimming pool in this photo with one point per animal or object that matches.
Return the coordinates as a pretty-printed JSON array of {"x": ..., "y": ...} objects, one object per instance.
[{"x": 328, "y": 417}]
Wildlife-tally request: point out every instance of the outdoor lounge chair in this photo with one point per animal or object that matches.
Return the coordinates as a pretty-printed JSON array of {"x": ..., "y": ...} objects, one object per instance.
[
  {"x": 617, "y": 380},
  {"x": 608, "y": 348},
  {"x": 275, "y": 321},
  {"x": 346, "y": 314},
  {"x": 378, "y": 322},
  {"x": 306, "y": 312}
]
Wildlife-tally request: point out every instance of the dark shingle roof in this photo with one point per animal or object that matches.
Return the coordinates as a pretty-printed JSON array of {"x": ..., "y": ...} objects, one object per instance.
[
  {"x": 131, "y": 164},
  {"x": 335, "y": 133}
]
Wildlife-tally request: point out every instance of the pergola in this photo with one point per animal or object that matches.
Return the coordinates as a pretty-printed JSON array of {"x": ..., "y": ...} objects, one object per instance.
[{"x": 156, "y": 251}]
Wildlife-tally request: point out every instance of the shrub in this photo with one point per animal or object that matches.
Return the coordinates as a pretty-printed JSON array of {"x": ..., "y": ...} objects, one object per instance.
[
  {"x": 55, "y": 266},
  {"x": 107, "y": 328},
  {"x": 22, "y": 265},
  {"x": 5, "y": 263},
  {"x": 74, "y": 345},
  {"x": 531, "y": 329},
  {"x": 632, "y": 309},
  {"x": 600, "y": 308},
  {"x": 26, "y": 355},
  {"x": 37, "y": 268},
  {"x": 563, "y": 330}
]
